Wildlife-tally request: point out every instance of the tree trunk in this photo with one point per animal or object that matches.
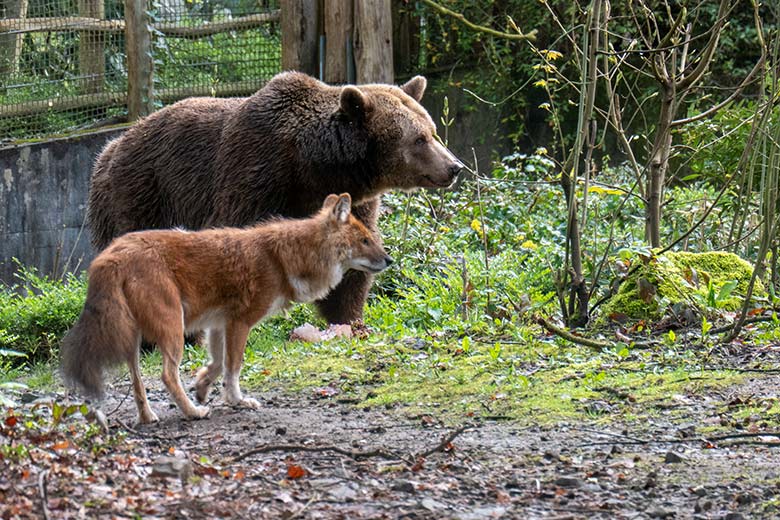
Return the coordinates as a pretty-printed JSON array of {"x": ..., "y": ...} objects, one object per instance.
[
  {"x": 338, "y": 31},
  {"x": 374, "y": 41},
  {"x": 299, "y": 35},
  {"x": 92, "y": 61},
  {"x": 659, "y": 164},
  {"x": 138, "y": 45},
  {"x": 11, "y": 44}
]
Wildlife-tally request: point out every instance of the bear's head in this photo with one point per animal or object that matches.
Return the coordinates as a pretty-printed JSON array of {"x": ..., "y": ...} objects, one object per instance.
[{"x": 408, "y": 152}]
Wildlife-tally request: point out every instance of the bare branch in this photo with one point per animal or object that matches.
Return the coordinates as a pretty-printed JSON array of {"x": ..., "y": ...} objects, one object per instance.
[{"x": 520, "y": 36}]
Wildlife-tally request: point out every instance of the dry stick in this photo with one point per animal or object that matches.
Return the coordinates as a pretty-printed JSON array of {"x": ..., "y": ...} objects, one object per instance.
[
  {"x": 748, "y": 321},
  {"x": 565, "y": 334},
  {"x": 353, "y": 454},
  {"x": 724, "y": 437},
  {"x": 44, "y": 494}
]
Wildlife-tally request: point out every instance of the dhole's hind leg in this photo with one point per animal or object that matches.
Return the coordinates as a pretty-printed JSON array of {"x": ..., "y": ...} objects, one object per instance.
[
  {"x": 159, "y": 315},
  {"x": 235, "y": 343},
  {"x": 210, "y": 373},
  {"x": 145, "y": 414}
]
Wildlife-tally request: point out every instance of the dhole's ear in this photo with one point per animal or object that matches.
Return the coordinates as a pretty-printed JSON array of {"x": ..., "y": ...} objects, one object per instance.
[
  {"x": 415, "y": 87},
  {"x": 354, "y": 103},
  {"x": 342, "y": 208},
  {"x": 330, "y": 201}
]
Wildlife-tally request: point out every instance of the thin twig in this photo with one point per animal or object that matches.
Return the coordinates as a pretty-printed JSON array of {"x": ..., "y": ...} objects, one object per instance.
[
  {"x": 531, "y": 35},
  {"x": 353, "y": 454},
  {"x": 444, "y": 445},
  {"x": 748, "y": 321},
  {"x": 44, "y": 494}
]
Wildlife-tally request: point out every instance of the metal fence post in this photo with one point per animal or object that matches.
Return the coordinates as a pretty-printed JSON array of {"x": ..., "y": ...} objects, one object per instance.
[{"x": 138, "y": 47}]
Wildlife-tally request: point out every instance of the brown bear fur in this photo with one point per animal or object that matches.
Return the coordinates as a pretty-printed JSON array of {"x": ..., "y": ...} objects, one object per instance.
[{"x": 206, "y": 162}]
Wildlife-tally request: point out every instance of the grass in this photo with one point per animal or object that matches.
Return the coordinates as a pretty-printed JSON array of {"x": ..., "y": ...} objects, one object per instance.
[{"x": 451, "y": 334}]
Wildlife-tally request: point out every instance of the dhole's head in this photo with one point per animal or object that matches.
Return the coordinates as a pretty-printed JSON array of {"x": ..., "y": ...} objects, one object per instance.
[{"x": 358, "y": 248}]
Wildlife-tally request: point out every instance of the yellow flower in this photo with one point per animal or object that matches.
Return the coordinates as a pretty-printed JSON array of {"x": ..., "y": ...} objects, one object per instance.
[
  {"x": 476, "y": 225},
  {"x": 528, "y": 244},
  {"x": 541, "y": 83}
]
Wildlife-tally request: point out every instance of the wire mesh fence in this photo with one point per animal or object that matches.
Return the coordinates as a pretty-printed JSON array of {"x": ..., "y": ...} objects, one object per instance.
[{"x": 69, "y": 65}]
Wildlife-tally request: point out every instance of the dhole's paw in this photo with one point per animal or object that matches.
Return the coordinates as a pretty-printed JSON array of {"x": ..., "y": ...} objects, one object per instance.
[
  {"x": 199, "y": 412},
  {"x": 147, "y": 417},
  {"x": 202, "y": 391},
  {"x": 247, "y": 402}
]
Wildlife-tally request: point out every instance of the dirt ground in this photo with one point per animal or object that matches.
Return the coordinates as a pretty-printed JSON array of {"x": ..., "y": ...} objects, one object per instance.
[{"x": 310, "y": 465}]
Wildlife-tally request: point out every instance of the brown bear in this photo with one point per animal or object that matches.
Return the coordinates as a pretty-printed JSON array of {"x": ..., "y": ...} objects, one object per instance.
[{"x": 205, "y": 162}]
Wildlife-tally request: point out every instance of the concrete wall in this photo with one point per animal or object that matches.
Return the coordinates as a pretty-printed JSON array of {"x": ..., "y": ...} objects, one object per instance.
[
  {"x": 44, "y": 186},
  {"x": 43, "y": 196}
]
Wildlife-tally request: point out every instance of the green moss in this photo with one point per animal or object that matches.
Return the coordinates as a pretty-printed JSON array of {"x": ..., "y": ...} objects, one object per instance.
[{"x": 692, "y": 279}]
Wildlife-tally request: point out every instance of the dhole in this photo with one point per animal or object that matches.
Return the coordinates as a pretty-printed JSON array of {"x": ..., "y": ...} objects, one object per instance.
[{"x": 158, "y": 285}]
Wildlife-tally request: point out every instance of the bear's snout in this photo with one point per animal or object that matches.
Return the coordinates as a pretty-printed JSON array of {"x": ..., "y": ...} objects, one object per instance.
[{"x": 454, "y": 169}]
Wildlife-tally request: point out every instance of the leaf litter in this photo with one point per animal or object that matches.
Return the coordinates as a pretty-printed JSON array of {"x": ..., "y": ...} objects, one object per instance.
[{"x": 314, "y": 457}]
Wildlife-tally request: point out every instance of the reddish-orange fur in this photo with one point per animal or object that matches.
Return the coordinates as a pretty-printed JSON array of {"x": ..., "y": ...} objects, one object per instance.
[{"x": 160, "y": 284}]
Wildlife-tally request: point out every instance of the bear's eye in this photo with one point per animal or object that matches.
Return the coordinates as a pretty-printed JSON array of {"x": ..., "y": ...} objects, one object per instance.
[
  {"x": 365, "y": 242},
  {"x": 420, "y": 140}
]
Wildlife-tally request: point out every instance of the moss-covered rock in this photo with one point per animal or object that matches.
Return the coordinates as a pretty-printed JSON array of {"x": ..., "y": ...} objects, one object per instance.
[{"x": 692, "y": 279}]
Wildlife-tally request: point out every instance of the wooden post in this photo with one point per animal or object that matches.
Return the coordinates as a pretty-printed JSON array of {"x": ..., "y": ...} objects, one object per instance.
[
  {"x": 92, "y": 61},
  {"x": 299, "y": 35},
  {"x": 374, "y": 41},
  {"x": 11, "y": 44},
  {"x": 138, "y": 47},
  {"x": 404, "y": 37},
  {"x": 338, "y": 29}
]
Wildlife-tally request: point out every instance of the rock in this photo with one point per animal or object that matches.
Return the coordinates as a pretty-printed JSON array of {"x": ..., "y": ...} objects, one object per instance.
[
  {"x": 660, "y": 512},
  {"x": 432, "y": 505},
  {"x": 483, "y": 513},
  {"x": 343, "y": 492},
  {"x": 281, "y": 430},
  {"x": 404, "y": 486},
  {"x": 568, "y": 482},
  {"x": 173, "y": 467},
  {"x": 673, "y": 458},
  {"x": 734, "y": 516}
]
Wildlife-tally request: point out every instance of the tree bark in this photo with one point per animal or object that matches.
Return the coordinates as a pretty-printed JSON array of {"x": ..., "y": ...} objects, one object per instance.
[
  {"x": 338, "y": 31},
  {"x": 11, "y": 44},
  {"x": 299, "y": 35},
  {"x": 659, "y": 164},
  {"x": 92, "y": 61},
  {"x": 373, "y": 39},
  {"x": 138, "y": 45}
]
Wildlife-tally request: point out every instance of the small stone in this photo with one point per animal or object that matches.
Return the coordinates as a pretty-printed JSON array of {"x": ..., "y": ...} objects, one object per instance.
[
  {"x": 660, "y": 512},
  {"x": 343, "y": 492},
  {"x": 432, "y": 505},
  {"x": 744, "y": 499},
  {"x": 673, "y": 458},
  {"x": 281, "y": 430},
  {"x": 483, "y": 513},
  {"x": 172, "y": 467},
  {"x": 568, "y": 482},
  {"x": 404, "y": 486},
  {"x": 699, "y": 491},
  {"x": 734, "y": 516}
]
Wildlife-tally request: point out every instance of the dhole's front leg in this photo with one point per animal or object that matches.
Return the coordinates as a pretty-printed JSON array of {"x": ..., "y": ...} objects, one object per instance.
[{"x": 235, "y": 342}]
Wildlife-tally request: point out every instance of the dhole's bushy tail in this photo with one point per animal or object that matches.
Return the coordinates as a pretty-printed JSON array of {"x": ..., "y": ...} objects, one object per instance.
[{"x": 103, "y": 336}]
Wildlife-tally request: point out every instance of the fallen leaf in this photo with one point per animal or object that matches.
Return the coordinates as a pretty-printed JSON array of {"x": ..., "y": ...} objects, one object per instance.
[{"x": 294, "y": 471}]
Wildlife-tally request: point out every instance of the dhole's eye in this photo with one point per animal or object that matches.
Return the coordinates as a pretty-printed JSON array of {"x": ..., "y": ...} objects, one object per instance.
[
  {"x": 421, "y": 140},
  {"x": 366, "y": 242}
]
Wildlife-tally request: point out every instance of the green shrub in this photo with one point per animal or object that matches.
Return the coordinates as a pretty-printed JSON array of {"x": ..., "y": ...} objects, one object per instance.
[{"x": 36, "y": 313}]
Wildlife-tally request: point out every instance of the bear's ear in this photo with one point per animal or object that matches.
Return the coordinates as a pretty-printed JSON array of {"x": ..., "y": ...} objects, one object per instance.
[
  {"x": 342, "y": 208},
  {"x": 415, "y": 87},
  {"x": 354, "y": 103}
]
